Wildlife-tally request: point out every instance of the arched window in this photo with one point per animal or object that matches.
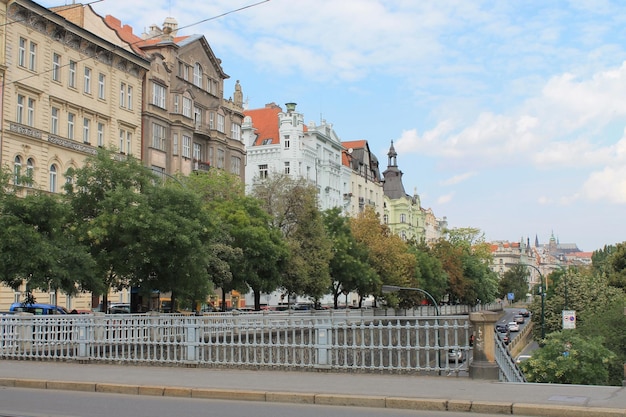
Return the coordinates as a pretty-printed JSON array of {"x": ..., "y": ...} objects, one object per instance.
[
  {"x": 197, "y": 75},
  {"x": 30, "y": 171},
  {"x": 53, "y": 178},
  {"x": 17, "y": 170}
]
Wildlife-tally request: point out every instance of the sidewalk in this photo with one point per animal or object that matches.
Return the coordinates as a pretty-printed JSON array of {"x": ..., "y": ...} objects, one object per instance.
[{"x": 375, "y": 390}]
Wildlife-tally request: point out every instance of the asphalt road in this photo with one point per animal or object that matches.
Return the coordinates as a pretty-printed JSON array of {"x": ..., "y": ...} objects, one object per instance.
[{"x": 20, "y": 402}]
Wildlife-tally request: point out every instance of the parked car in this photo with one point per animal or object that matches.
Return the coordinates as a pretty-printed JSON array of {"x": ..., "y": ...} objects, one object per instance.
[
  {"x": 513, "y": 327},
  {"x": 519, "y": 319},
  {"x": 456, "y": 355},
  {"x": 119, "y": 308},
  {"x": 37, "y": 309}
]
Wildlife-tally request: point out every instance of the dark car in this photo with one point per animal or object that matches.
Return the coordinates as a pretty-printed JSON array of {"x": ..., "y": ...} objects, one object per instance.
[
  {"x": 501, "y": 328},
  {"x": 524, "y": 313}
]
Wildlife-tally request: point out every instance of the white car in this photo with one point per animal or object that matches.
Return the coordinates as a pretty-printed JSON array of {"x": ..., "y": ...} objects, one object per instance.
[{"x": 513, "y": 327}]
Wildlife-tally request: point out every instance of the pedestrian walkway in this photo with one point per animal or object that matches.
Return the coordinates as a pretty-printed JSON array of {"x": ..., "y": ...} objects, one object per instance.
[{"x": 374, "y": 390}]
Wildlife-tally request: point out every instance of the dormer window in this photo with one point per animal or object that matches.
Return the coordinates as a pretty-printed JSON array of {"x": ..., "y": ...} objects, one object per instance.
[{"x": 266, "y": 141}]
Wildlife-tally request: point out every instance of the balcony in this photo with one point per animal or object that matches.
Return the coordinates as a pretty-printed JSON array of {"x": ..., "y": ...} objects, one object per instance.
[{"x": 200, "y": 166}]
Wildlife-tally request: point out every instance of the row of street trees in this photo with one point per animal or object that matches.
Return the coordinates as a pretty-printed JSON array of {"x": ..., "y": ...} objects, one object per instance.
[{"x": 118, "y": 225}]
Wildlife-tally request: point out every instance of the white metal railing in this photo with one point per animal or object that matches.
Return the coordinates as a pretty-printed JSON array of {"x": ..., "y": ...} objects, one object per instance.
[{"x": 333, "y": 341}]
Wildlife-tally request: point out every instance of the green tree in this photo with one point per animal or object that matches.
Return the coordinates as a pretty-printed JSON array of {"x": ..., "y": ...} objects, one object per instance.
[
  {"x": 617, "y": 266},
  {"x": 262, "y": 247},
  {"x": 429, "y": 274},
  {"x": 567, "y": 357},
  {"x": 98, "y": 193},
  {"x": 514, "y": 280},
  {"x": 38, "y": 248},
  {"x": 349, "y": 267},
  {"x": 292, "y": 206}
]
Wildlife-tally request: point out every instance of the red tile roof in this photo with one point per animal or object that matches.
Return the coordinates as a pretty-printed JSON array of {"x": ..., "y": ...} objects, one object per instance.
[
  {"x": 265, "y": 121},
  {"x": 354, "y": 144}
]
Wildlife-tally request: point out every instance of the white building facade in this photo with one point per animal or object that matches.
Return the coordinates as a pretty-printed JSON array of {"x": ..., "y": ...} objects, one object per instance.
[{"x": 279, "y": 142}]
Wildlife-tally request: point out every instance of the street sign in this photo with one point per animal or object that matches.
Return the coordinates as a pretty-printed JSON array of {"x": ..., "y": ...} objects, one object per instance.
[
  {"x": 569, "y": 319},
  {"x": 510, "y": 296}
]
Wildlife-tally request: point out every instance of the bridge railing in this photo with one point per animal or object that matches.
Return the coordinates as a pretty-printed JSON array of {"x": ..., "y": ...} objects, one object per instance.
[{"x": 394, "y": 344}]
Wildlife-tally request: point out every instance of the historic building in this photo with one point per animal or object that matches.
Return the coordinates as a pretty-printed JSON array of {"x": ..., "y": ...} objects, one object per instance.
[
  {"x": 61, "y": 100},
  {"x": 188, "y": 125},
  {"x": 403, "y": 213},
  {"x": 280, "y": 142},
  {"x": 365, "y": 183}
]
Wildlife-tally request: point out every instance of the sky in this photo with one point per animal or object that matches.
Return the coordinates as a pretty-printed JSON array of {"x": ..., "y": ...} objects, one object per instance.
[{"x": 507, "y": 116}]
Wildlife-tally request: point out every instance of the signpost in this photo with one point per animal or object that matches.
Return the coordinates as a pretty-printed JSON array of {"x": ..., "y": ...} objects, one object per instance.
[{"x": 569, "y": 319}]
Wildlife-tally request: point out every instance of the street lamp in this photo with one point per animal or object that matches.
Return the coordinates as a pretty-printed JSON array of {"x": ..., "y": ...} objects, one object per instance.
[
  {"x": 394, "y": 288},
  {"x": 386, "y": 289},
  {"x": 543, "y": 297}
]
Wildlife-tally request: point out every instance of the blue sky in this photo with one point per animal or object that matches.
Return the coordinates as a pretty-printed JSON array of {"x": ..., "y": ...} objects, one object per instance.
[{"x": 507, "y": 116}]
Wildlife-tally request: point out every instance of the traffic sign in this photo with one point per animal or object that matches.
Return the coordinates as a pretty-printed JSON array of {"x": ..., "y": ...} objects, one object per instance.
[{"x": 569, "y": 319}]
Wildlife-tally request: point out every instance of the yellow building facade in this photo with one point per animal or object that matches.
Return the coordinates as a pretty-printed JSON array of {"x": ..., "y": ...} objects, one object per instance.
[{"x": 65, "y": 93}]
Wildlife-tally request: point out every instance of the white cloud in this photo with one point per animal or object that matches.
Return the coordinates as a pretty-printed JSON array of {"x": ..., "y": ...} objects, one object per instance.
[
  {"x": 458, "y": 178},
  {"x": 608, "y": 184},
  {"x": 444, "y": 199}
]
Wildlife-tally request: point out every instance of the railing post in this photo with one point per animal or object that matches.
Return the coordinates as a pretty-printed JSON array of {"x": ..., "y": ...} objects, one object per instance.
[
  {"x": 191, "y": 340},
  {"x": 484, "y": 364},
  {"x": 323, "y": 341},
  {"x": 82, "y": 338}
]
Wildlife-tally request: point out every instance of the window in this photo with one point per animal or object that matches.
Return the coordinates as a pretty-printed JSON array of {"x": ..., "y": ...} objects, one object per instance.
[
  {"x": 197, "y": 75},
  {"x": 56, "y": 67},
  {"x": 17, "y": 170},
  {"x": 263, "y": 171},
  {"x": 122, "y": 140},
  {"x": 287, "y": 168},
  {"x": 30, "y": 112},
  {"x": 130, "y": 97},
  {"x": 30, "y": 171},
  {"x": 235, "y": 131},
  {"x": 21, "y": 53},
  {"x": 70, "y": 125},
  {"x": 402, "y": 218},
  {"x": 267, "y": 141},
  {"x": 53, "y": 178},
  {"x": 197, "y": 152},
  {"x": 176, "y": 104},
  {"x": 32, "y": 55},
  {"x": 158, "y": 136},
  {"x": 87, "y": 83},
  {"x": 72, "y": 74},
  {"x": 211, "y": 120},
  {"x": 101, "y": 86},
  {"x": 100, "y": 134},
  {"x": 29, "y": 117},
  {"x": 286, "y": 141},
  {"x": 175, "y": 144},
  {"x": 197, "y": 116},
  {"x": 86, "y": 126},
  {"x": 186, "y": 107},
  {"x": 123, "y": 95},
  {"x": 220, "y": 123},
  {"x": 210, "y": 156},
  {"x": 221, "y": 157},
  {"x": 386, "y": 219},
  {"x": 183, "y": 71},
  {"x": 186, "y": 146},
  {"x": 158, "y": 95},
  {"x": 129, "y": 143},
  {"x": 54, "y": 121},
  {"x": 235, "y": 165},
  {"x": 19, "y": 117}
]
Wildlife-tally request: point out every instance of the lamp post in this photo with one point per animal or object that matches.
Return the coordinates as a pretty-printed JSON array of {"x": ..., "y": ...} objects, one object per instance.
[
  {"x": 394, "y": 288},
  {"x": 386, "y": 289},
  {"x": 543, "y": 297}
]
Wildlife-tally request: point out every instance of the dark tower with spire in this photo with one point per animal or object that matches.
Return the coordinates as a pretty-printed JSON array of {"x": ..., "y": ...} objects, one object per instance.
[{"x": 393, "y": 187}]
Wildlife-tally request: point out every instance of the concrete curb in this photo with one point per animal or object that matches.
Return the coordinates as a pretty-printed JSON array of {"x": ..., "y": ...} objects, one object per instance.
[{"x": 407, "y": 403}]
